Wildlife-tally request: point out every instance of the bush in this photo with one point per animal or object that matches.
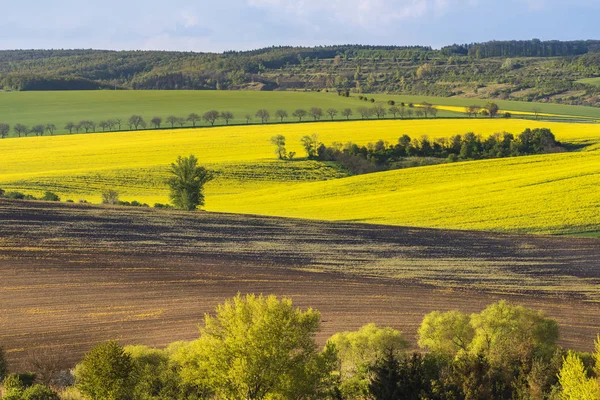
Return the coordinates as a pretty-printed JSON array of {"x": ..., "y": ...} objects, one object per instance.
[
  {"x": 39, "y": 392},
  {"x": 110, "y": 197},
  {"x": 160, "y": 205},
  {"x": 15, "y": 196},
  {"x": 3, "y": 365},
  {"x": 2, "y": 192},
  {"x": 70, "y": 201},
  {"x": 49, "y": 196}
]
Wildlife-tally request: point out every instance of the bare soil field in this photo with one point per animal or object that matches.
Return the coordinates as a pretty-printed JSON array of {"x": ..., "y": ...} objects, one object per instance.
[{"x": 73, "y": 275}]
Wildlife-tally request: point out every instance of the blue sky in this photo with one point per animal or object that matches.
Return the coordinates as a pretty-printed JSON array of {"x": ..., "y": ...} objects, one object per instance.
[{"x": 219, "y": 25}]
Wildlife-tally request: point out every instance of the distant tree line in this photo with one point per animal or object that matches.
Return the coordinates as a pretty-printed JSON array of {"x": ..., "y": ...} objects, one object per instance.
[
  {"x": 257, "y": 347},
  {"x": 409, "y": 151}
]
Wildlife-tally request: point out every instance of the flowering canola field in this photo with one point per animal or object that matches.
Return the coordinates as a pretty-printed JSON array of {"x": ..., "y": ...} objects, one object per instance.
[{"x": 555, "y": 193}]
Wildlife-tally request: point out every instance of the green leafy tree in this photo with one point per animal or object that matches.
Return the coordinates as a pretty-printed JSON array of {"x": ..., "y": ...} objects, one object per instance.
[
  {"x": 446, "y": 333},
  {"x": 311, "y": 144},
  {"x": 110, "y": 197},
  {"x": 359, "y": 350},
  {"x": 574, "y": 381},
  {"x": 279, "y": 142},
  {"x": 258, "y": 348},
  {"x": 187, "y": 183},
  {"x": 508, "y": 334},
  {"x": 106, "y": 372},
  {"x": 492, "y": 109},
  {"x": 386, "y": 377},
  {"x": 39, "y": 392}
]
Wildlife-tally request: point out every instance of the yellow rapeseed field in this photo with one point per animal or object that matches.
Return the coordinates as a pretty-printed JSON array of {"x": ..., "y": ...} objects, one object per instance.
[{"x": 549, "y": 193}]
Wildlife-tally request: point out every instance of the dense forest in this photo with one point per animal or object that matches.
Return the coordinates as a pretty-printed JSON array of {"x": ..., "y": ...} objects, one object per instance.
[{"x": 546, "y": 71}]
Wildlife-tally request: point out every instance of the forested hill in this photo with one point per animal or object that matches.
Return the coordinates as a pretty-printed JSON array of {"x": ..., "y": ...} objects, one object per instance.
[{"x": 521, "y": 70}]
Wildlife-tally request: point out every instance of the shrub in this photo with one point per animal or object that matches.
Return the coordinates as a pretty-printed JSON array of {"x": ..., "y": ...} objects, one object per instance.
[
  {"x": 39, "y": 392},
  {"x": 49, "y": 196},
  {"x": 70, "y": 201},
  {"x": 15, "y": 196},
  {"x": 110, "y": 197},
  {"x": 2, "y": 192}
]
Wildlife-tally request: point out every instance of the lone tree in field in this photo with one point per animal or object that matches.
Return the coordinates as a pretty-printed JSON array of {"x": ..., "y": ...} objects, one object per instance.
[
  {"x": 110, "y": 197},
  {"x": 226, "y": 116},
  {"x": 300, "y": 113},
  {"x": 211, "y": 117},
  {"x": 332, "y": 112},
  {"x": 4, "y": 130},
  {"x": 281, "y": 114},
  {"x": 492, "y": 109},
  {"x": 193, "y": 118},
  {"x": 171, "y": 119},
  {"x": 156, "y": 121},
  {"x": 279, "y": 143},
  {"x": 51, "y": 128},
  {"x": 187, "y": 183},
  {"x": 70, "y": 126},
  {"x": 263, "y": 115},
  {"x": 21, "y": 129},
  {"x": 316, "y": 113},
  {"x": 347, "y": 112},
  {"x": 136, "y": 121}
]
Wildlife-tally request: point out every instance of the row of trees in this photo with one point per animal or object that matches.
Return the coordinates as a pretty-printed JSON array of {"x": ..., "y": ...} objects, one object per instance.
[
  {"x": 383, "y": 155},
  {"x": 257, "y": 347}
]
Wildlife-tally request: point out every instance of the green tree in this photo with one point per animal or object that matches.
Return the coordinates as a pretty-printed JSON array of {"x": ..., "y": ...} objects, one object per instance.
[
  {"x": 311, "y": 144},
  {"x": 574, "y": 381},
  {"x": 39, "y": 392},
  {"x": 347, "y": 112},
  {"x": 106, "y": 373},
  {"x": 508, "y": 334},
  {"x": 492, "y": 109},
  {"x": 21, "y": 129},
  {"x": 258, "y": 348},
  {"x": 386, "y": 377},
  {"x": 187, "y": 183},
  {"x": 38, "y": 130},
  {"x": 279, "y": 142},
  {"x": 359, "y": 350},
  {"x": 446, "y": 333},
  {"x": 110, "y": 197}
]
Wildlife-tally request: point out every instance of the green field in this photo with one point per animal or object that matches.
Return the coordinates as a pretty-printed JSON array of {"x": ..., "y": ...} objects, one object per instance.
[
  {"x": 32, "y": 108},
  {"x": 590, "y": 81}
]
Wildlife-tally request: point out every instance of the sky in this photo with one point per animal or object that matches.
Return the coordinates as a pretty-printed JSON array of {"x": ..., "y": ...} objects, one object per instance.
[{"x": 220, "y": 25}]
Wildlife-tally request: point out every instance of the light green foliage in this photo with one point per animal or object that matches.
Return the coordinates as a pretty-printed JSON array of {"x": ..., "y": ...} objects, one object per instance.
[
  {"x": 574, "y": 381},
  {"x": 106, "y": 373},
  {"x": 506, "y": 333},
  {"x": 187, "y": 183},
  {"x": 257, "y": 348},
  {"x": 446, "y": 333},
  {"x": 358, "y": 350},
  {"x": 39, "y": 392},
  {"x": 597, "y": 356}
]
